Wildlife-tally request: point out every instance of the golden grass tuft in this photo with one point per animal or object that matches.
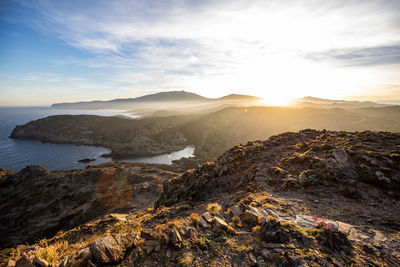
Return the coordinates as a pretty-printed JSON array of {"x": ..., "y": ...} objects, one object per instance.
[
  {"x": 231, "y": 229},
  {"x": 256, "y": 229},
  {"x": 50, "y": 253},
  {"x": 235, "y": 219},
  {"x": 186, "y": 259},
  {"x": 214, "y": 208},
  {"x": 194, "y": 218}
]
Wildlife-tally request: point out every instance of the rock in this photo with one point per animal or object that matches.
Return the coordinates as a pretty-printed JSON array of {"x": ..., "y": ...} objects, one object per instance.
[
  {"x": 268, "y": 212},
  {"x": 150, "y": 245},
  {"x": 32, "y": 172},
  {"x": 111, "y": 249},
  {"x": 24, "y": 262},
  {"x": 250, "y": 217},
  {"x": 344, "y": 164},
  {"x": 261, "y": 180},
  {"x": 207, "y": 216},
  {"x": 174, "y": 237},
  {"x": 362, "y": 194},
  {"x": 203, "y": 222},
  {"x": 307, "y": 177},
  {"x": 306, "y": 221},
  {"x": 40, "y": 262},
  {"x": 274, "y": 232},
  {"x": 236, "y": 210},
  {"x": 86, "y": 160},
  {"x": 272, "y": 245},
  {"x": 77, "y": 197},
  {"x": 381, "y": 177},
  {"x": 266, "y": 253},
  {"x": 80, "y": 259},
  {"x": 220, "y": 223}
]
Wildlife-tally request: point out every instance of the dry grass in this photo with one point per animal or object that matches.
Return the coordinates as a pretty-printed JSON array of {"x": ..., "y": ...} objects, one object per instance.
[
  {"x": 253, "y": 204},
  {"x": 214, "y": 208},
  {"x": 50, "y": 253},
  {"x": 256, "y": 229},
  {"x": 186, "y": 259},
  {"x": 194, "y": 218},
  {"x": 235, "y": 219},
  {"x": 231, "y": 229},
  {"x": 241, "y": 245}
]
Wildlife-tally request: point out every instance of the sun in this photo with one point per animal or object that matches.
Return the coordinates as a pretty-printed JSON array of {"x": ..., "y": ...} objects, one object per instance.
[{"x": 280, "y": 100}]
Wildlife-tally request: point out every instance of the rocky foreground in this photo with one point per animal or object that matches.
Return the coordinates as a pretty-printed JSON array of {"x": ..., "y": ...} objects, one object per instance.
[{"x": 313, "y": 198}]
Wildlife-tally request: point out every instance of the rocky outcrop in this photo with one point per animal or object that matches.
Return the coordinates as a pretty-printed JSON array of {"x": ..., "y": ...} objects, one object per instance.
[
  {"x": 365, "y": 161},
  {"x": 124, "y": 136},
  {"x": 286, "y": 201},
  {"x": 36, "y": 203}
]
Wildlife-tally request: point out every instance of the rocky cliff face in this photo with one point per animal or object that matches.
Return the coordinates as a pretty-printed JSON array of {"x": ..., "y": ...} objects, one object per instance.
[
  {"x": 35, "y": 203},
  {"x": 312, "y": 198},
  {"x": 123, "y": 136}
]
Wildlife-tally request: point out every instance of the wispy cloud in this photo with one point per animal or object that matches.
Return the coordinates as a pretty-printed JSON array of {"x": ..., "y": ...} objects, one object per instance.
[
  {"x": 381, "y": 55},
  {"x": 215, "y": 47}
]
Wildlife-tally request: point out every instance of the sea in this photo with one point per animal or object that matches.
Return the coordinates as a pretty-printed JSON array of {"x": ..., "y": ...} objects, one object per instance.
[{"x": 17, "y": 154}]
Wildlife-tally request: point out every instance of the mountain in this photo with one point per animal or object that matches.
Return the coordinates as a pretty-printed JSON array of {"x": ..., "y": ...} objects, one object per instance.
[
  {"x": 169, "y": 99},
  {"x": 308, "y": 198},
  {"x": 239, "y": 97},
  {"x": 315, "y": 102}
]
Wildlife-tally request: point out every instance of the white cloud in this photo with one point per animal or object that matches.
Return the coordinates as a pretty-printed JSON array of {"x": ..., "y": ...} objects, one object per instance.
[{"x": 215, "y": 47}]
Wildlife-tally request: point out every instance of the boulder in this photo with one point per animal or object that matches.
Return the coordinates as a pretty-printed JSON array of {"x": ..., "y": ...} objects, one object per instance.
[
  {"x": 220, "y": 223},
  {"x": 203, "y": 222},
  {"x": 207, "y": 216},
  {"x": 111, "y": 249},
  {"x": 24, "y": 262},
  {"x": 81, "y": 258},
  {"x": 150, "y": 245},
  {"x": 305, "y": 221},
  {"x": 236, "y": 210},
  {"x": 250, "y": 217},
  {"x": 307, "y": 177}
]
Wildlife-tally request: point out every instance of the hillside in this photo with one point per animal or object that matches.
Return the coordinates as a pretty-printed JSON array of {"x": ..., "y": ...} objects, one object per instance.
[
  {"x": 312, "y": 198},
  {"x": 211, "y": 133},
  {"x": 315, "y": 102}
]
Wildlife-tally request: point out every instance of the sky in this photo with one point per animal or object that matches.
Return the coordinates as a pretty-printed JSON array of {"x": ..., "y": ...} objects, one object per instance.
[{"x": 66, "y": 51}]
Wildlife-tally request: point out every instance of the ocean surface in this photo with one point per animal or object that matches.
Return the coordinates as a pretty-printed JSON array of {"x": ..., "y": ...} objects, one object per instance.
[{"x": 17, "y": 154}]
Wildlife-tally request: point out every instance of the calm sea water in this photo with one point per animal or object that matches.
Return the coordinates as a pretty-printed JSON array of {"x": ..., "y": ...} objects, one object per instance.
[{"x": 17, "y": 154}]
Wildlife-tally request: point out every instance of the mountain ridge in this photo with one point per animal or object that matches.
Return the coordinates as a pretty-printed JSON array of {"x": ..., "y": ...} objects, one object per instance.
[{"x": 170, "y": 96}]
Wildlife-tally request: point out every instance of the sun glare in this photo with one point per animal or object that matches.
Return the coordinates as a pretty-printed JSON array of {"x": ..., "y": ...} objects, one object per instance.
[{"x": 279, "y": 100}]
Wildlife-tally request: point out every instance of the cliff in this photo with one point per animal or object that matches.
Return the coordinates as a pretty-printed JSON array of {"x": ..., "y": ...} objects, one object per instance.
[
  {"x": 312, "y": 198},
  {"x": 124, "y": 136},
  {"x": 211, "y": 133}
]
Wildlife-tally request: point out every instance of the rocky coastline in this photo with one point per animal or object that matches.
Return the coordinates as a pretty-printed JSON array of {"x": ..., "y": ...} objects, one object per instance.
[{"x": 124, "y": 136}]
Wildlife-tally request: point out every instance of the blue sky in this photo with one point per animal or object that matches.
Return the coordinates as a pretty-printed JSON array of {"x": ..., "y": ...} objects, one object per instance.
[{"x": 63, "y": 51}]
